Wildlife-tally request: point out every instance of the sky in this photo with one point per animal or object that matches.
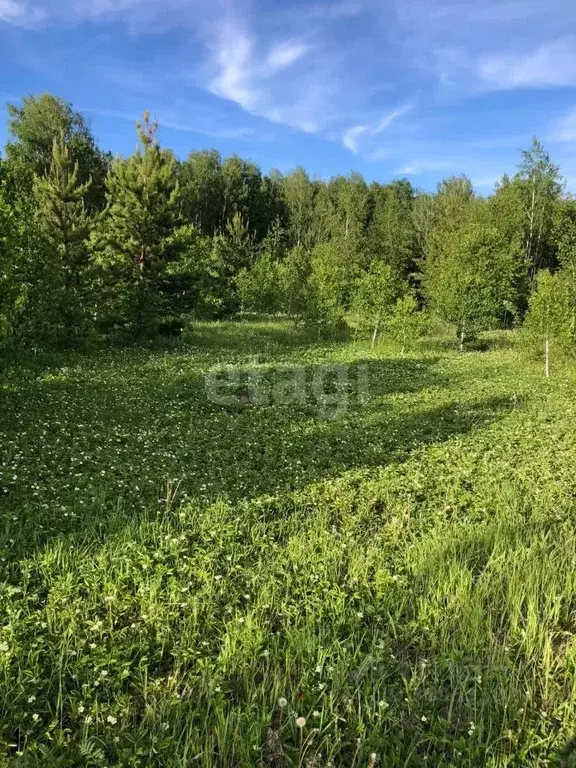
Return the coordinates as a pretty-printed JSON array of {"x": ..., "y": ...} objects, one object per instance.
[{"x": 421, "y": 89}]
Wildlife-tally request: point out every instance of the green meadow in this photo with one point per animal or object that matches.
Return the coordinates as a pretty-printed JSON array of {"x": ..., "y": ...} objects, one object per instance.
[{"x": 250, "y": 548}]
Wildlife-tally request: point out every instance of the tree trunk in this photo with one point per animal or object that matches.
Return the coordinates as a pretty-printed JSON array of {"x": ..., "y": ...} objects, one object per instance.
[
  {"x": 375, "y": 335},
  {"x": 547, "y": 356},
  {"x": 531, "y": 214}
]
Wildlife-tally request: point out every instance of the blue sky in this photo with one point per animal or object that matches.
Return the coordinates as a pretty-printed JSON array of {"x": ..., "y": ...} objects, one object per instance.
[{"x": 417, "y": 88}]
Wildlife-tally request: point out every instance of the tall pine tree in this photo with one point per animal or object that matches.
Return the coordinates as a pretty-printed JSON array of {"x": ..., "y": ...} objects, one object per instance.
[
  {"x": 133, "y": 239},
  {"x": 65, "y": 223}
]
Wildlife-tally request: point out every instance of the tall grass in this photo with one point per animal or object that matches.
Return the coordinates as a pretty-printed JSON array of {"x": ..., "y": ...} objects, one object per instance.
[{"x": 394, "y": 587}]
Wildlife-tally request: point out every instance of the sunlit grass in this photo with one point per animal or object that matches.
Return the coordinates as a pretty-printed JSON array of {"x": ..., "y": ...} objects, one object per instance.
[{"x": 187, "y": 583}]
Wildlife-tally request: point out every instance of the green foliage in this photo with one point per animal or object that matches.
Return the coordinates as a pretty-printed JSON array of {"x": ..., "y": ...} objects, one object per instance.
[
  {"x": 65, "y": 225},
  {"x": 296, "y": 269},
  {"x": 538, "y": 180},
  {"x": 299, "y": 198},
  {"x": 7, "y": 248},
  {"x": 234, "y": 252},
  {"x": 549, "y": 322},
  {"x": 209, "y": 235},
  {"x": 392, "y": 234},
  {"x": 202, "y": 190},
  {"x": 471, "y": 280},
  {"x": 374, "y": 297},
  {"x": 406, "y": 323},
  {"x": 40, "y": 121},
  {"x": 261, "y": 287},
  {"x": 327, "y": 288},
  {"x": 193, "y": 281},
  {"x": 134, "y": 232}
]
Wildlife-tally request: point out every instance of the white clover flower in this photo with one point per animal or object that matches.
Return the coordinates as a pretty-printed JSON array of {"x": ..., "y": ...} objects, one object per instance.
[
  {"x": 300, "y": 722},
  {"x": 282, "y": 702},
  {"x": 112, "y": 720}
]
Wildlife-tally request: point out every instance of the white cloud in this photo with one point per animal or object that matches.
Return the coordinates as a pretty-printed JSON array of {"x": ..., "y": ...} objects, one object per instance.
[
  {"x": 20, "y": 13},
  {"x": 234, "y": 67},
  {"x": 550, "y": 64},
  {"x": 417, "y": 167},
  {"x": 285, "y": 80},
  {"x": 285, "y": 54},
  {"x": 351, "y": 137}
]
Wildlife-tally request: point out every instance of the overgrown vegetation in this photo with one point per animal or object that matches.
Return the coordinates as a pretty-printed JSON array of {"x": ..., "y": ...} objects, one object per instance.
[
  {"x": 323, "y": 538},
  {"x": 186, "y": 582}
]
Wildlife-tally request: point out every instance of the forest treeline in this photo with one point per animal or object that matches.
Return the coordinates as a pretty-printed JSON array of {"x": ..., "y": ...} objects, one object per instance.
[{"x": 130, "y": 247}]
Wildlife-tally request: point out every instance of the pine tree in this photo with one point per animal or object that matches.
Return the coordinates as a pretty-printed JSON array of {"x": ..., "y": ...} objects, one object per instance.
[
  {"x": 66, "y": 225},
  {"x": 133, "y": 236}
]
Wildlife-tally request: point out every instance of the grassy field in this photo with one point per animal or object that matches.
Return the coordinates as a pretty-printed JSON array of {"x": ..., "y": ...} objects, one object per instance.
[{"x": 254, "y": 550}]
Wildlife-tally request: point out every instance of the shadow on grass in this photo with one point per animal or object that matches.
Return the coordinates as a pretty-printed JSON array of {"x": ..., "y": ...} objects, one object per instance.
[
  {"x": 89, "y": 453},
  {"x": 485, "y": 342},
  {"x": 250, "y": 337},
  {"x": 567, "y": 758}
]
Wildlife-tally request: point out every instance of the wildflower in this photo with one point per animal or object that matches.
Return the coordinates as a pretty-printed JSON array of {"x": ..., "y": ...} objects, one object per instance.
[
  {"x": 31, "y": 699},
  {"x": 112, "y": 720},
  {"x": 282, "y": 702},
  {"x": 35, "y": 717},
  {"x": 424, "y": 719},
  {"x": 316, "y": 713},
  {"x": 300, "y": 722}
]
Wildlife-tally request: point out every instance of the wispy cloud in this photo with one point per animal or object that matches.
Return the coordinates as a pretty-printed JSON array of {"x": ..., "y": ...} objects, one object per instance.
[
  {"x": 550, "y": 64},
  {"x": 418, "y": 167},
  {"x": 284, "y": 54},
  {"x": 233, "y": 59},
  {"x": 20, "y": 13},
  {"x": 282, "y": 80},
  {"x": 351, "y": 138}
]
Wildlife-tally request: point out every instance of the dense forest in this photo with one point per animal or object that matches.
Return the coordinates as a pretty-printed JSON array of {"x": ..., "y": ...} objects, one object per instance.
[{"x": 93, "y": 246}]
